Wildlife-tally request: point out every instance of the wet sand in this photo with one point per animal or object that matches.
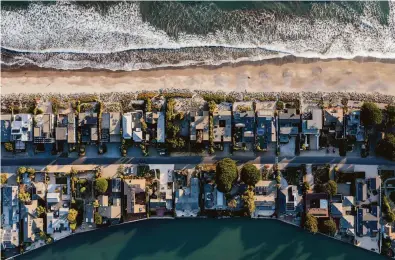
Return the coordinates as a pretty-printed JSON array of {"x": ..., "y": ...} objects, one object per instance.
[{"x": 321, "y": 75}]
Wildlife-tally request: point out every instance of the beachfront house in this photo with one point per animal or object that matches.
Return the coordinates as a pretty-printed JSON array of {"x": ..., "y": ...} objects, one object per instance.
[
  {"x": 311, "y": 128},
  {"x": 243, "y": 123},
  {"x": 187, "y": 199},
  {"x": 71, "y": 128},
  {"x": 57, "y": 221},
  {"x": 132, "y": 126},
  {"x": 213, "y": 198},
  {"x": 135, "y": 196},
  {"x": 289, "y": 124},
  {"x": 222, "y": 124},
  {"x": 32, "y": 224},
  {"x": 368, "y": 221},
  {"x": 342, "y": 213},
  {"x": 44, "y": 129},
  {"x": 109, "y": 212},
  {"x": 265, "y": 194},
  {"x": 289, "y": 200},
  {"x": 111, "y": 127},
  {"x": 88, "y": 124},
  {"x": 21, "y": 130},
  {"x": 317, "y": 204},
  {"x": 265, "y": 121},
  {"x": 161, "y": 200},
  {"x": 10, "y": 217},
  {"x": 199, "y": 126},
  {"x": 333, "y": 122},
  {"x": 156, "y": 125},
  {"x": 5, "y": 121}
]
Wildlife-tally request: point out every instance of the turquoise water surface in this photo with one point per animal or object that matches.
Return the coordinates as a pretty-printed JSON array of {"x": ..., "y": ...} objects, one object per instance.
[{"x": 200, "y": 239}]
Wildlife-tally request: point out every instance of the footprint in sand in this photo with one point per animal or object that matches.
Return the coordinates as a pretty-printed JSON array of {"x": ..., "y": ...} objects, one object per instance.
[{"x": 316, "y": 71}]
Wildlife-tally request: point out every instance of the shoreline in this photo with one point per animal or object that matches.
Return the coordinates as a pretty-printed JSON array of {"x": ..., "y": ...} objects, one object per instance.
[
  {"x": 315, "y": 76},
  {"x": 278, "y": 61}
]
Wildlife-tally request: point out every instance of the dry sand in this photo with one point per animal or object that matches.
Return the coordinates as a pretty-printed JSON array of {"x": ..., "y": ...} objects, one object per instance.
[{"x": 328, "y": 76}]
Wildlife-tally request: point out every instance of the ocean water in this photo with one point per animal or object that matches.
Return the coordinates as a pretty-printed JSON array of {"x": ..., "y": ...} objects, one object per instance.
[{"x": 147, "y": 35}]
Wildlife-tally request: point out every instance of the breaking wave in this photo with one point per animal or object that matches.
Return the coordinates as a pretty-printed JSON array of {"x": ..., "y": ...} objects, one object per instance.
[{"x": 147, "y": 35}]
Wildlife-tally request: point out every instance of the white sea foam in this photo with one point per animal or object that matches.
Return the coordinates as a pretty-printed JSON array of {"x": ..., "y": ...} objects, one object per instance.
[{"x": 70, "y": 33}]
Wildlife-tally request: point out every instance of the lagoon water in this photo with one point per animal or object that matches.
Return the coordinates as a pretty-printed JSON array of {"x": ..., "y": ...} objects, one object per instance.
[{"x": 200, "y": 239}]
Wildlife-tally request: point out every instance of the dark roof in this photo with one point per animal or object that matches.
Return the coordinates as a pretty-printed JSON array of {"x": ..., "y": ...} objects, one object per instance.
[
  {"x": 89, "y": 211},
  {"x": 5, "y": 130},
  {"x": 375, "y": 210},
  {"x": 361, "y": 191},
  {"x": 360, "y": 222}
]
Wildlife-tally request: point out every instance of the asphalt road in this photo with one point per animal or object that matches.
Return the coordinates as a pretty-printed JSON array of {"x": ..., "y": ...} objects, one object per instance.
[{"x": 192, "y": 160}]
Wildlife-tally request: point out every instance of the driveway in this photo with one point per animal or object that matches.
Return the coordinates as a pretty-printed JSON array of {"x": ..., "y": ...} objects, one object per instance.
[{"x": 288, "y": 149}]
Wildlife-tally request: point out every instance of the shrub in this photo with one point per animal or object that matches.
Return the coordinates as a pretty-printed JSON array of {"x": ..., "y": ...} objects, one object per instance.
[
  {"x": 82, "y": 190},
  {"x": 24, "y": 196},
  {"x": 98, "y": 218},
  {"x": 72, "y": 216},
  {"x": 21, "y": 170},
  {"x": 9, "y": 147},
  {"x": 311, "y": 223},
  {"x": 101, "y": 185},
  {"x": 249, "y": 201},
  {"x": 4, "y": 178},
  {"x": 328, "y": 227},
  {"x": 280, "y": 105},
  {"x": 40, "y": 210},
  {"x": 331, "y": 188}
]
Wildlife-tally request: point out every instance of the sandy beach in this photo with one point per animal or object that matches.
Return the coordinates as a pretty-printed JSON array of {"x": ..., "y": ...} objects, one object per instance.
[{"x": 327, "y": 76}]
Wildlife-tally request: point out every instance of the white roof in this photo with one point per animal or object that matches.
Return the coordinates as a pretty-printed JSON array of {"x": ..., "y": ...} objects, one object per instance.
[
  {"x": 220, "y": 198},
  {"x": 137, "y": 135},
  {"x": 53, "y": 197},
  {"x": 127, "y": 125},
  {"x": 160, "y": 131}
]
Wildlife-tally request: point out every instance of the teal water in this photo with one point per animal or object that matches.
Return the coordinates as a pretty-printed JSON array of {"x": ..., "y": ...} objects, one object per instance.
[{"x": 200, "y": 239}]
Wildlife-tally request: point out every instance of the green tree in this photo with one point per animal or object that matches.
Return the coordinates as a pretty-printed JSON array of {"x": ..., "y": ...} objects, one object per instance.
[
  {"x": 306, "y": 186},
  {"x": 331, "y": 187},
  {"x": 40, "y": 210},
  {"x": 280, "y": 105},
  {"x": 250, "y": 174},
  {"x": 311, "y": 223},
  {"x": 389, "y": 216},
  {"x": 72, "y": 216},
  {"x": 386, "y": 147},
  {"x": 24, "y": 196},
  {"x": 4, "y": 178},
  {"x": 121, "y": 170},
  {"x": 96, "y": 204},
  {"x": 21, "y": 170},
  {"x": 98, "y": 218},
  {"x": 278, "y": 178},
  {"x": 226, "y": 174},
  {"x": 232, "y": 203},
  {"x": 31, "y": 172},
  {"x": 82, "y": 190},
  {"x": 101, "y": 185},
  {"x": 249, "y": 201},
  {"x": 73, "y": 226},
  {"x": 328, "y": 227},
  {"x": 371, "y": 114},
  {"x": 9, "y": 147},
  {"x": 390, "y": 110}
]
